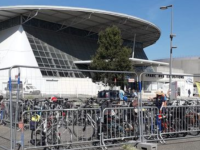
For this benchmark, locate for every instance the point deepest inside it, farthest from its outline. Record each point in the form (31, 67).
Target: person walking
(189, 92)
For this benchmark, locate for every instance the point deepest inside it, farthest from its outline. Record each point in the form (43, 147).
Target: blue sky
(186, 20)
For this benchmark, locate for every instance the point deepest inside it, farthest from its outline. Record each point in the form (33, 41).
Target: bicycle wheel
(65, 136)
(52, 137)
(135, 131)
(83, 128)
(180, 126)
(170, 128)
(190, 125)
(194, 133)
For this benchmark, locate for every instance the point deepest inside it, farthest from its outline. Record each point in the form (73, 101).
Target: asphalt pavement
(183, 144)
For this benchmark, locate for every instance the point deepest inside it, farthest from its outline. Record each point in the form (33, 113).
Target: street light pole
(171, 47)
(171, 39)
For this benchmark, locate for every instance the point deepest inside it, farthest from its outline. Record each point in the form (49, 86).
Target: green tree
(111, 55)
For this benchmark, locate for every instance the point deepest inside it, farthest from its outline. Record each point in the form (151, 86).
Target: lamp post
(171, 47)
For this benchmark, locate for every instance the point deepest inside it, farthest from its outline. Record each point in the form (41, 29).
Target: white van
(30, 89)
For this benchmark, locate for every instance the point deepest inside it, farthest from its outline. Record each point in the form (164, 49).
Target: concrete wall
(183, 84)
(188, 65)
(166, 69)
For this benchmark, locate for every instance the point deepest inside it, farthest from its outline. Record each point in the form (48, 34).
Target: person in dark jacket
(189, 92)
(160, 100)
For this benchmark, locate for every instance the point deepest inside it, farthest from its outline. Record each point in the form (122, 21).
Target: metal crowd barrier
(149, 124)
(5, 114)
(120, 124)
(93, 127)
(179, 121)
(65, 129)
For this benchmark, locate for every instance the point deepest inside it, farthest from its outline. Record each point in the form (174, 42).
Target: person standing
(189, 92)
(134, 94)
(160, 100)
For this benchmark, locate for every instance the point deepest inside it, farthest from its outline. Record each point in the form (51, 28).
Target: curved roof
(92, 20)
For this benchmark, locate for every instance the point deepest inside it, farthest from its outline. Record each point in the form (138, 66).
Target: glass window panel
(47, 54)
(55, 73)
(76, 75)
(56, 61)
(39, 60)
(37, 41)
(39, 47)
(64, 67)
(57, 51)
(68, 67)
(41, 65)
(70, 63)
(31, 41)
(71, 74)
(50, 73)
(44, 73)
(42, 43)
(81, 75)
(52, 66)
(73, 67)
(46, 65)
(147, 86)
(33, 46)
(63, 56)
(53, 55)
(66, 62)
(59, 56)
(42, 54)
(61, 62)
(36, 53)
(45, 48)
(51, 49)
(58, 66)
(29, 36)
(61, 74)
(44, 60)
(69, 57)
(50, 61)
(66, 74)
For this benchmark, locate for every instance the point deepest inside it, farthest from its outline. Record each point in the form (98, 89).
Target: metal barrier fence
(150, 126)
(5, 114)
(28, 82)
(179, 92)
(120, 124)
(5, 132)
(74, 128)
(56, 129)
(180, 121)
(94, 126)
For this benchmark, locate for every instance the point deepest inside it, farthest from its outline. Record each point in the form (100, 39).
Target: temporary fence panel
(44, 82)
(75, 109)
(29, 88)
(120, 124)
(150, 123)
(179, 121)
(61, 128)
(6, 128)
(177, 107)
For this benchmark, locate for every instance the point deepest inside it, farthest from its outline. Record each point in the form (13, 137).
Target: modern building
(65, 38)
(181, 82)
(189, 65)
